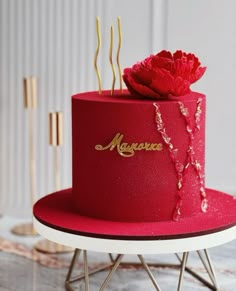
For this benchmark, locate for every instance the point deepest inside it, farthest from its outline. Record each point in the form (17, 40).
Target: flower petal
(139, 89)
(162, 82)
(164, 74)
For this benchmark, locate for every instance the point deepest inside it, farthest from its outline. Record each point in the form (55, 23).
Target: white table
(140, 247)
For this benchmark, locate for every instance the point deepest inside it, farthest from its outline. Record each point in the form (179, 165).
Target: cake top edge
(127, 97)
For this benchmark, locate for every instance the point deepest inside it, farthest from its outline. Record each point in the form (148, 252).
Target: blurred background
(55, 40)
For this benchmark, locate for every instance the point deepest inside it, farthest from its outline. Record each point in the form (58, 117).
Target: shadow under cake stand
(52, 220)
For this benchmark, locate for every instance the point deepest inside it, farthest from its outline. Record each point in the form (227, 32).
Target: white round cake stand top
(121, 246)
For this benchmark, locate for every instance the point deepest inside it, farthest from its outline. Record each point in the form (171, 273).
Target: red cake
(138, 159)
(113, 182)
(139, 156)
(142, 159)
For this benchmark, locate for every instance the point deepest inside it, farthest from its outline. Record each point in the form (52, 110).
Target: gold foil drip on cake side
(181, 168)
(96, 55)
(191, 159)
(111, 61)
(118, 52)
(173, 153)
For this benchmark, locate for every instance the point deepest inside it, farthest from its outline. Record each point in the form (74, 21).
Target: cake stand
(184, 245)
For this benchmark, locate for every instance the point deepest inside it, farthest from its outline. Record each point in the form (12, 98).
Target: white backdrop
(56, 40)
(208, 28)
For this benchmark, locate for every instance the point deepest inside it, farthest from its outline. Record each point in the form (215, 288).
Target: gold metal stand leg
(182, 269)
(71, 267)
(115, 266)
(86, 273)
(111, 257)
(209, 269)
(115, 262)
(147, 269)
(26, 229)
(76, 254)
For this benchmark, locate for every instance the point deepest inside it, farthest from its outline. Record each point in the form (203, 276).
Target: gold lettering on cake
(128, 150)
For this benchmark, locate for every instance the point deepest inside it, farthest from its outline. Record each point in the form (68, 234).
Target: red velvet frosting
(137, 160)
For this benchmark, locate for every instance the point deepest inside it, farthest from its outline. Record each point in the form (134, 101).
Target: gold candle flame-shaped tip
(111, 61)
(96, 55)
(118, 52)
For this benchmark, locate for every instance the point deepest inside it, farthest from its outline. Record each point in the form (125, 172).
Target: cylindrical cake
(138, 159)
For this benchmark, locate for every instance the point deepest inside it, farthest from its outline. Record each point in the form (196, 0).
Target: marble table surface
(24, 269)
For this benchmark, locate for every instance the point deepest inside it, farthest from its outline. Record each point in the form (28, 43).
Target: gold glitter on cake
(180, 168)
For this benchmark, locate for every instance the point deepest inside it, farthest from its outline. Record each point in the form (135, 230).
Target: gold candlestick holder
(30, 103)
(55, 140)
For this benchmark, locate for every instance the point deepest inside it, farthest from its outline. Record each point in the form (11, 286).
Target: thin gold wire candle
(96, 55)
(111, 61)
(118, 52)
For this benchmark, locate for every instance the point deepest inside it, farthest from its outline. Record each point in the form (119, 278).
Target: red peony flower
(163, 74)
